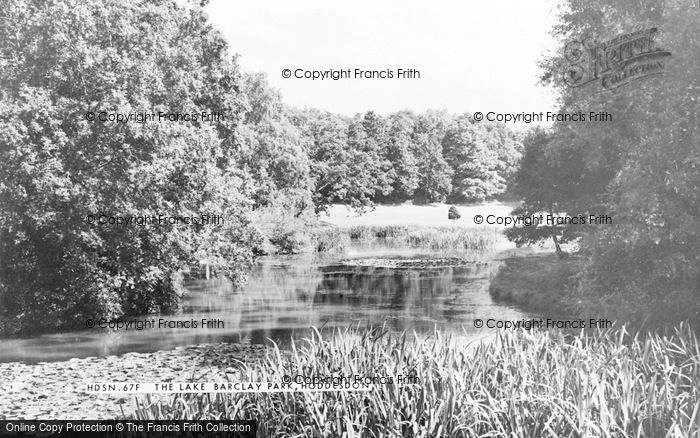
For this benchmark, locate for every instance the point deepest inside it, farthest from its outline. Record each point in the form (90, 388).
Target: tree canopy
(642, 168)
(63, 60)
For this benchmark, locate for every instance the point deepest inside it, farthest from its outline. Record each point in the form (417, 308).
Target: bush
(453, 214)
(288, 225)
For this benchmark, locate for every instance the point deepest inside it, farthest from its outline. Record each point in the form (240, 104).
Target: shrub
(288, 225)
(453, 214)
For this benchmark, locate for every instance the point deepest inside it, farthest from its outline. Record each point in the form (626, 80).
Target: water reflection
(285, 296)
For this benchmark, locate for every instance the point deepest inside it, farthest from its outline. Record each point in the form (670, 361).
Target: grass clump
(431, 237)
(330, 239)
(524, 384)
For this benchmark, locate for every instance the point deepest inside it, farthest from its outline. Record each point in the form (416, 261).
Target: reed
(432, 237)
(525, 384)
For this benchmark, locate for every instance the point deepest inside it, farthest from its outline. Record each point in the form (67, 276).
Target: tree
(368, 135)
(340, 172)
(653, 247)
(434, 173)
(543, 184)
(453, 214)
(273, 153)
(643, 167)
(475, 151)
(400, 152)
(63, 60)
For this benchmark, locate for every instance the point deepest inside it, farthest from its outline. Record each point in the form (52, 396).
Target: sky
(472, 56)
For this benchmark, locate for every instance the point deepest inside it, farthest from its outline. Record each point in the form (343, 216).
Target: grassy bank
(547, 284)
(422, 236)
(520, 384)
(541, 283)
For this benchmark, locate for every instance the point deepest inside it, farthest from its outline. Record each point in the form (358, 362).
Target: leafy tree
(370, 175)
(61, 60)
(339, 173)
(273, 152)
(274, 158)
(642, 168)
(434, 173)
(472, 154)
(509, 150)
(653, 245)
(453, 214)
(368, 136)
(400, 153)
(543, 184)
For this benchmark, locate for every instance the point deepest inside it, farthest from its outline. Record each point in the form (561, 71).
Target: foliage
(288, 226)
(482, 155)
(654, 245)
(273, 153)
(453, 214)
(547, 185)
(61, 60)
(542, 284)
(283, 223)
(434, 174)
(330, 239)
(367, 142)
(339, 173)
(642, 169)
(605, 383)
(400, 153)
(404, 157)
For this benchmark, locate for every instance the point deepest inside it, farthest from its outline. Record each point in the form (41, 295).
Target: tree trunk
(557, 247)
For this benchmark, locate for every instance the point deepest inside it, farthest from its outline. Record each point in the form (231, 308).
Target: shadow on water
(287, 295)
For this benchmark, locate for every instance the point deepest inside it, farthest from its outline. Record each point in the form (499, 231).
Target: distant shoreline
(423, 215)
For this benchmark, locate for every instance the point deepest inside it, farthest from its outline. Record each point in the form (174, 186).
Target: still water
(285, 296)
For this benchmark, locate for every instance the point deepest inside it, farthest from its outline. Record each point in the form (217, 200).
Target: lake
(286, 295)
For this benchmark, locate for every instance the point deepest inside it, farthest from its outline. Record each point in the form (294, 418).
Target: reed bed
(518, 384)
(432, 237)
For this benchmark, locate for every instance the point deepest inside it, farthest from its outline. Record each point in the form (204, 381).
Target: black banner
(128, 428)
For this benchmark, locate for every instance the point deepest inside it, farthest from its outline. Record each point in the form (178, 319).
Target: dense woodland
(369, 158)
(269, 169)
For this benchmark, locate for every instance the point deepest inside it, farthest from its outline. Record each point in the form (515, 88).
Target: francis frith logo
(614, 62)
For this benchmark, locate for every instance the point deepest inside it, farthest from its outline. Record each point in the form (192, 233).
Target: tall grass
(330, 240)
(432, 237)
(520, 384)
